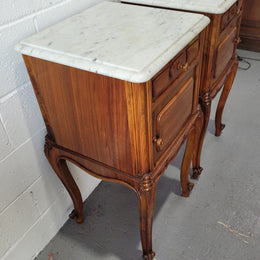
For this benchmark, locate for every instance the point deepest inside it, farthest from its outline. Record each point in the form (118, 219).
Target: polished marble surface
(118, 40)
(205, 6)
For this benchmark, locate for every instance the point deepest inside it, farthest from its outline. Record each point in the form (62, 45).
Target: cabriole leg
(206, 108)
(186, 162)
(223, 98)
(61, 169)
(146, 199)
(197, 169)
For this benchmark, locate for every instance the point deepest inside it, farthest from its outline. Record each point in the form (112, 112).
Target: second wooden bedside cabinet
(219, 59)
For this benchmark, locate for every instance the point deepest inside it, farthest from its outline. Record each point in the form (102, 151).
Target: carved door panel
(172, 117)
(225, 52)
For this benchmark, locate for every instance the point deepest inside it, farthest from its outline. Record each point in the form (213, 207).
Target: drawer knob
(237, 40)
(183, 67)
(239, 11)
(158, 142)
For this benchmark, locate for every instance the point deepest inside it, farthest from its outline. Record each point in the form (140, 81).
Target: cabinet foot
(197, 172)
(219, 129)
(186, 193)
(149, 256)
(74, 215)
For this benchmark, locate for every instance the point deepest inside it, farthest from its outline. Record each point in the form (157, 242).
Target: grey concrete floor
(221, 218)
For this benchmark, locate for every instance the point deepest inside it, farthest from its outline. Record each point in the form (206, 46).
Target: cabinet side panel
(84, 112)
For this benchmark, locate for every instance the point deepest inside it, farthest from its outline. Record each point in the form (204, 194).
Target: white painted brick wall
(13, 72)
(4, 143)
(25, 113)
(33, 202)
(53, 15)
(18, 171)
(16, 220)
(13, 10)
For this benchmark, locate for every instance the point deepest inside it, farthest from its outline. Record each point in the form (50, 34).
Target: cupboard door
(169, 121)
(225, 51)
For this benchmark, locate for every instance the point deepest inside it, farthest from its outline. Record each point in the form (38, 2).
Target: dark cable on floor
(247, 58)
(242, 59)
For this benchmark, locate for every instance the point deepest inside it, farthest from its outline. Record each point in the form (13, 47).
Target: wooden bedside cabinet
(220, 62)
(119, 99)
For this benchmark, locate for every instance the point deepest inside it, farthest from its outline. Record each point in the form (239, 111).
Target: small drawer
(193, 51)
(233, 12)
(239, 7)
(178, 66)
(166, 77)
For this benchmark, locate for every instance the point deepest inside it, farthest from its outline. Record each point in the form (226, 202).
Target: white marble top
(118, 40)
(204, 6)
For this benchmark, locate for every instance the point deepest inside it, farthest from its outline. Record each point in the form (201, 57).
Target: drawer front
(233, 12)
(225, 51)
(169, 121)
(193, 51)
(239, 7)
(172, 72)
(176, 68)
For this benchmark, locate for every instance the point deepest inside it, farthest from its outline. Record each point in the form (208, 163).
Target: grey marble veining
(123, 41)
(205, 6)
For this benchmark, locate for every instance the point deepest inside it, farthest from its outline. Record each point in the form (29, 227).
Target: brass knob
(239, 11)
(159, 142)
(183, 67)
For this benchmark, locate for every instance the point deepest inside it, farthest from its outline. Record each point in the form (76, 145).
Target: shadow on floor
(211, 127)
(111, 226)
(178, 159)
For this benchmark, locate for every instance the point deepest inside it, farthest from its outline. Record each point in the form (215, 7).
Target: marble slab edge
(204, 6)
(112, 71)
